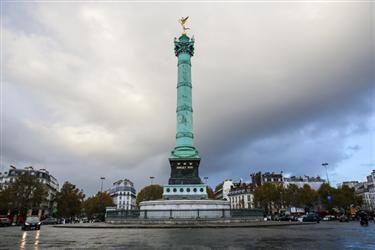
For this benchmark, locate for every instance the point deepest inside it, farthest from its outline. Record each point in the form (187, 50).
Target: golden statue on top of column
(182, 21)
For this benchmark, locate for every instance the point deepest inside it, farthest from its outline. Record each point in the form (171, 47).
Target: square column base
(185, 192)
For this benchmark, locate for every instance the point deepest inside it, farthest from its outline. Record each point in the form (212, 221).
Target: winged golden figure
(183, 20)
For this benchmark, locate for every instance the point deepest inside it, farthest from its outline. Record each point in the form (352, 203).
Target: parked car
(49, 221)
(300, 219)
(97, 220)
(31, 223)
(329, 218)
(311, 217)
(343, 218)
(287, 218)
(4, 222)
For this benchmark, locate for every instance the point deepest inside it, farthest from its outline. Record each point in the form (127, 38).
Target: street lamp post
(151, 179)
(101, 185)
(325, 164)
(101, 205)
(205, 179)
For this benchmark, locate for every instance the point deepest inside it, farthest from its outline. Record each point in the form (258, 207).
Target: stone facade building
(222, 190)
(260, 178)
(44, 177)
(350, 184)
(300, 181)
(369, 195)
(365, 189)
(123, 194)
(242, 196)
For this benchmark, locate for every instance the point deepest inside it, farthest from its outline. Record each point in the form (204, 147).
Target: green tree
(344, 198)
(324, 192)
(291, 196)
(268, 196)
(277, 196)
(69, 201)
(149, 193)
(27, 192)
(95, 206)
(308, 197)
(261, 199)
(5, 200)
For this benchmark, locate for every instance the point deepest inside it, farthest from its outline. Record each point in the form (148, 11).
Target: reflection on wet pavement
(33, 239)
(328, 235)
(36, 243)
(23, 240)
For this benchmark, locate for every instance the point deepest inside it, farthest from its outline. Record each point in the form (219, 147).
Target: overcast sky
(89, 89)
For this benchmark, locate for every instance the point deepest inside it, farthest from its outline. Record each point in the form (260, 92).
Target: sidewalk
(197, 225)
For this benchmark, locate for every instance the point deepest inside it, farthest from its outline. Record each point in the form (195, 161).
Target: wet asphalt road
(326, 235)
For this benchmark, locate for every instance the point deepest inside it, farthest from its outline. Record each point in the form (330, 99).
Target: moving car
(300, 219)
(31, 223)
(363, 218)
(343, 218)
(311, 217)
(329, 218)
(287, 218)
(4, 222)
(49, 221)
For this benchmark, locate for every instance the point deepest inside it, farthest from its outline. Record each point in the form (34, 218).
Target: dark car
(31, 223)
(343, 218)
(49, 221)
(287, 218)
(311, 217)
(4, 222)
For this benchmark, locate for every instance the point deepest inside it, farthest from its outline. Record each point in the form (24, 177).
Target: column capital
(184, 44)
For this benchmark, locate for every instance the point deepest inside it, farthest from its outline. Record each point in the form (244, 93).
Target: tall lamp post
(205, 179)
(101, 205)
(151, 179)
(101, 185)
(325, 164)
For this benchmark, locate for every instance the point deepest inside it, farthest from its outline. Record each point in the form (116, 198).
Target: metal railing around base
(184, 214)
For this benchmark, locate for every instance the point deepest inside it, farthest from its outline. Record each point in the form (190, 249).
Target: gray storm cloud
(89, 88)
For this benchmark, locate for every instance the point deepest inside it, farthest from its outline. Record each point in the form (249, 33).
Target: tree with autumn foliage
(149, 193)
(69, 201)
(94, 207)
(210, 193)
(26, 192)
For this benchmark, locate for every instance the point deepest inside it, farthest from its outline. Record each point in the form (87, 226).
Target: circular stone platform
(184, 204)
(184, 209)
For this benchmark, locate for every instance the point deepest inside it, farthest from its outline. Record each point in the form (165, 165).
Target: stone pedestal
(184, 209)
(184, 171)
(185, 192)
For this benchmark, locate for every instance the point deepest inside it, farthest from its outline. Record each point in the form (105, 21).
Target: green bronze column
(184, 181)
(184, 50)
(184, 158)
